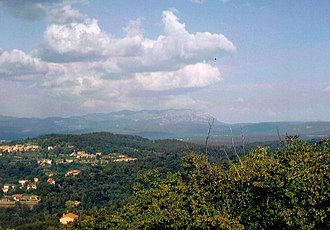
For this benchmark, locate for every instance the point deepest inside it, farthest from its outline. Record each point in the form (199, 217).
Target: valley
(183, 124)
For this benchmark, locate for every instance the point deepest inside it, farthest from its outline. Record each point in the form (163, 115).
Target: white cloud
(133, 53)
(89, 59)
(18, 64)
(134, 27)
(66, 14)
(74, 79)
(179, 46)
(190, 76)
(83, 68)
(73, 41)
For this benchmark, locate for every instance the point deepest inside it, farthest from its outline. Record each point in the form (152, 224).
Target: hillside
(283, 189)
(99, 175)
(80, 173)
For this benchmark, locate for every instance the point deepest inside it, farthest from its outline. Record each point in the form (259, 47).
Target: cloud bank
(79, 63)
(17, 64)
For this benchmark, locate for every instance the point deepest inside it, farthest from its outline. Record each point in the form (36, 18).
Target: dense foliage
(284, 189)
(284, 186)
(101, 183)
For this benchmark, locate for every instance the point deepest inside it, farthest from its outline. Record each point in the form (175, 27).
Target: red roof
(71, 215)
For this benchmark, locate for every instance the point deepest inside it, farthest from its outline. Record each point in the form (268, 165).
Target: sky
(239, 60)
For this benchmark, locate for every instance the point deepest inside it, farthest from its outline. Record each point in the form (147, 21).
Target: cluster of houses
(52, 181)
(119, 157)
(22, 184)
(83, 154)
(20, 197)
(28, 200)
(19, 148)
(11, 194)
(29, 185)
(47, 162)
(124, 159)
(114, 157)
(33, 185)
(77, 155)
(73, 155)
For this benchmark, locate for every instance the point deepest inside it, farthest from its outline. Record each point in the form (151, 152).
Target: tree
(285, 189)
(288, 188)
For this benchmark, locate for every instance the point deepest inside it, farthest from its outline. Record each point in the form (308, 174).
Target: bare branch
(230, 161)
(208, 135)
(233, 145)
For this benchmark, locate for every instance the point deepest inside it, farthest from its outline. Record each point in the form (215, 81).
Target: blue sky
(239, 60)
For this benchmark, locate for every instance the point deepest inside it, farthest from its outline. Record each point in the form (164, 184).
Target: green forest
(170, 184)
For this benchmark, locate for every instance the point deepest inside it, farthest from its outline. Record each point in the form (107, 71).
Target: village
(75, 156)
(10, 198)
(19, 148)
(25, 191)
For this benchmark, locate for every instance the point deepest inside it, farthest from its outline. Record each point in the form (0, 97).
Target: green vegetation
(102, 182)
(285, 189)
(284, 186)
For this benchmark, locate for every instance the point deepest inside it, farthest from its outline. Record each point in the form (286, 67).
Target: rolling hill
(156, 125)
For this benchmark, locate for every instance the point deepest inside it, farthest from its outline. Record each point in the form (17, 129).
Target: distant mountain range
(155, 125)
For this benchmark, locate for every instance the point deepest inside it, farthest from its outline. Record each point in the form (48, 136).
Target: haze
(239, 60)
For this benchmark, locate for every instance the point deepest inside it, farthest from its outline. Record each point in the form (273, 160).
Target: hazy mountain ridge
(153, 124)
(164, 122)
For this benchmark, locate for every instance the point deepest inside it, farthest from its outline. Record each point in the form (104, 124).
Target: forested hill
(78, 173)
(288, 188)
(110, 142)
(114, 181)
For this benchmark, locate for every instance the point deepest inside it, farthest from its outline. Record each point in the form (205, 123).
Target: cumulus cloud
(18, 64)
(66, 14)
(87, 61)
(75, 79)
(190, 76)
(134, 27)
(79, 64)
(179, 46)
(134, 53)
(73, 41)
